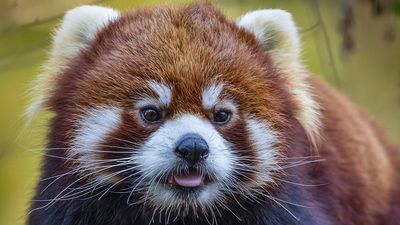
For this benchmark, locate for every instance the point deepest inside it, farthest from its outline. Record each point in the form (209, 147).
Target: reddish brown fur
(177, 47)
(363, 164)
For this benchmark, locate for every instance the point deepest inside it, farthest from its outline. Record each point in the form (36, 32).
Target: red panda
(180, 116)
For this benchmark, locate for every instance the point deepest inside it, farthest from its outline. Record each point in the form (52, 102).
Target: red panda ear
(276, 30)
(79, 27)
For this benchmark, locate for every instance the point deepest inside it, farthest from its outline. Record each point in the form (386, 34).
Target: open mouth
(191, 179)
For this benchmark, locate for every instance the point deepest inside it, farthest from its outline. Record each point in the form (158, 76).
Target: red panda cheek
(108, 136)
(237, 135)
(254, 143)
(265, 141)
(94, 126)
(128, 138)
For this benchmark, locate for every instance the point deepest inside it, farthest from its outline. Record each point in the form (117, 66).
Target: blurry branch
(398, 76)
(379, 8)
(347, 23)
(5, 8)
(321, 24)
(310, 28)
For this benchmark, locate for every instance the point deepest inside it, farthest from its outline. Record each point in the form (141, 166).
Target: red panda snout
(192, 148)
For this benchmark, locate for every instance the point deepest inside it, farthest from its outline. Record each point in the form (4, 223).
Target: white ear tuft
(276, 30)
(79, 27)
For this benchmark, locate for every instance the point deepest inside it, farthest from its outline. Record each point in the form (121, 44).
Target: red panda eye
(222, 117)
(150, 115)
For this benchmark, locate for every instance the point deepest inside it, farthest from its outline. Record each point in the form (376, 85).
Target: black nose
(192, 148)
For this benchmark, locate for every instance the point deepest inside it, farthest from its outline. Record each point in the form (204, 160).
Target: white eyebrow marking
(210, 95)
(163, 91)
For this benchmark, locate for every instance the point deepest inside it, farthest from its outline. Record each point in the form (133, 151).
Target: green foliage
(396, 7)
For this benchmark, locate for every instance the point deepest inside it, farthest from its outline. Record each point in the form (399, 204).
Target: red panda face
(174, 108)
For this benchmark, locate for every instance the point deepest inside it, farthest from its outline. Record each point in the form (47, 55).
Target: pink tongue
(192, 179)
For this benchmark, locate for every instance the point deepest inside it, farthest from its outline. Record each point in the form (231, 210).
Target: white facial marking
(163, 91)
(95, 125)
(211, 95)
(263, 139)
(157, 155)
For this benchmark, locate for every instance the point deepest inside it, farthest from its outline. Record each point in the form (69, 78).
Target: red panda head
(178, 108)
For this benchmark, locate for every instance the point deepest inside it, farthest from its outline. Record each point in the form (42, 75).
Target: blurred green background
(369, 74)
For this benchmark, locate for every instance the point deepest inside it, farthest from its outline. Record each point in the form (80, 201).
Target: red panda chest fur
(179, 116)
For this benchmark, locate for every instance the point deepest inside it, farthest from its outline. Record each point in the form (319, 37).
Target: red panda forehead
(196, 39)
